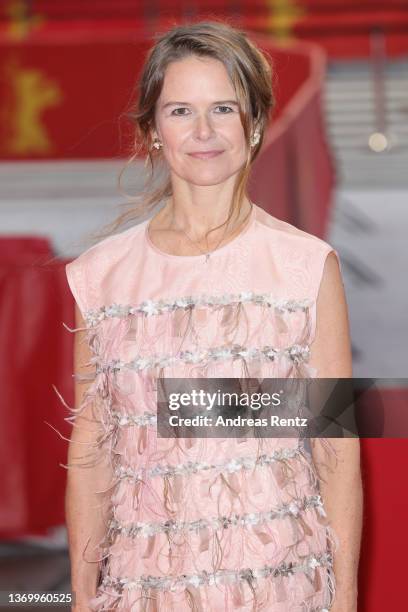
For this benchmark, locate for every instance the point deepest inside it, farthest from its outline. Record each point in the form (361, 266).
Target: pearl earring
(157, 144)
(255, 139)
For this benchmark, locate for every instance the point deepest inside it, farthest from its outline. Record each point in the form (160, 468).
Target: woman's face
(198, 112)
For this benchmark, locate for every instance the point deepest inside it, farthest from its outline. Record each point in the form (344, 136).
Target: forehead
(203, 77)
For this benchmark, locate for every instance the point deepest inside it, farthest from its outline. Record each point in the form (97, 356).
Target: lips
(205, 154)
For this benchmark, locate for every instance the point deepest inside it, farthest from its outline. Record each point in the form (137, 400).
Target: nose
(203, 127)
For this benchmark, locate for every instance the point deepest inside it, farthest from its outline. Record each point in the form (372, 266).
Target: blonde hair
(251, 75)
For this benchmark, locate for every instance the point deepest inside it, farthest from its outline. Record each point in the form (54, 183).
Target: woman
(207, 524)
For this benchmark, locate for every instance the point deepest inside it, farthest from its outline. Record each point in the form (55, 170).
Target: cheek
(173, 137)
(234, 133)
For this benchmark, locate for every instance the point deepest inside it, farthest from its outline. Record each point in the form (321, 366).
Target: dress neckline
(248, 225)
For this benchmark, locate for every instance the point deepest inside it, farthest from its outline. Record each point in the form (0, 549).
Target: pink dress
(206, 524)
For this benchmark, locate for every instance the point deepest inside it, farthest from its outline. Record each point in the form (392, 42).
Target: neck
(198, 219)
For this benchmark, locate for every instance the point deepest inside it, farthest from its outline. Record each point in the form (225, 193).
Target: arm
(342, 492)
(83, 516)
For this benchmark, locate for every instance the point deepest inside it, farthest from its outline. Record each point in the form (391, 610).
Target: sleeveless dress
(206, 524)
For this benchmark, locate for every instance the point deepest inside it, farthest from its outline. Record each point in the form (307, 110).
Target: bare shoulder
(331, 348)
(331, 286)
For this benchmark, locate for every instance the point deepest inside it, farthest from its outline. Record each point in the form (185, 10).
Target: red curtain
(36, 352)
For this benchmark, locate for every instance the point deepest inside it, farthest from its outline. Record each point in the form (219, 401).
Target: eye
(178, 109)
(229, 109)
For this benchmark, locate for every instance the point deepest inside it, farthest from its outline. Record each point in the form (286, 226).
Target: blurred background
(334, 163)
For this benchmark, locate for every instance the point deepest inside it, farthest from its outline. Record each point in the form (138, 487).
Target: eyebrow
(235, 102)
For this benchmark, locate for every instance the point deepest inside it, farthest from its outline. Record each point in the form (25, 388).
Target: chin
(207, 182)
(207, 177)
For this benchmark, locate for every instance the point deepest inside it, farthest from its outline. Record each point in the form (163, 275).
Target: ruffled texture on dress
(204, 523)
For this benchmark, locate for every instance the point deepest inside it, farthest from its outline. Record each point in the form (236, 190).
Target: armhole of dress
(318, 277)
(77, 286)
